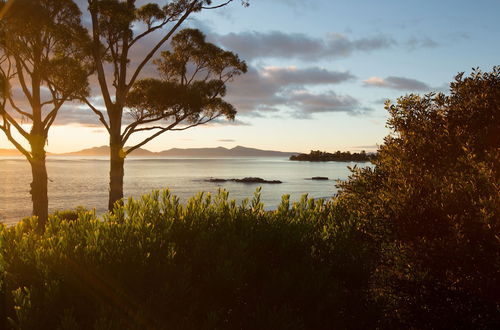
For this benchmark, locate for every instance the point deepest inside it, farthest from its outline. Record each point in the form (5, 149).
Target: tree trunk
(39, 188)
(116, 172)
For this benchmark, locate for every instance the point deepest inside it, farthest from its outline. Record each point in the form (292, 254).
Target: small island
(319, 178)
(339, 156)
(244, 180)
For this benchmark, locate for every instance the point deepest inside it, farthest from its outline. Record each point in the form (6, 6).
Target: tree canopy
(44, 55)
(191, 91)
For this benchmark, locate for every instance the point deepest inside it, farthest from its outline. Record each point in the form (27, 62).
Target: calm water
(84, 181)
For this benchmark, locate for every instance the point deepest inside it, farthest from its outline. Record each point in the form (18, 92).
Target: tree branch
(22, 81)
(131, 127)
(101, 76)
(219, 6)
(8, 119)
(169, 128)
(149, 128)
(150, 30)
(196, 124)
(98, 113)
(158, 45)
(16, 108)
(47, 122)
(163, 130)
(6, 129)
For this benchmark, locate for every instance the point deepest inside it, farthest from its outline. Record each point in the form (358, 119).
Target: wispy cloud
(297, 3)
(306, 103)
(306, 76)
(397, 83)
(277, 44)
(72, 114)
(421, 42)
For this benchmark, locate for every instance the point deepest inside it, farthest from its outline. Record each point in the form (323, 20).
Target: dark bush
(433, 201)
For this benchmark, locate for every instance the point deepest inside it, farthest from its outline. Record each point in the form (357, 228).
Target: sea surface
(77, 180)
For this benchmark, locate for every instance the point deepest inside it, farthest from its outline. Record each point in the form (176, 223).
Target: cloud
(425, 42)
(226, 140)
(306, 103)
(297, 3)
(277, 44)
(251, 91)
(69, 114)
(73, 114)
(307, 76)
(251, 45)
(458, 36)
(269, 90)
(262, 91)
(375, 81)
(221, 121)
(398, 83)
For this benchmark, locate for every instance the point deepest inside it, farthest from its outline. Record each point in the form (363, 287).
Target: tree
(42, 46)
(194, 81)
(433, 200)
(116, 31)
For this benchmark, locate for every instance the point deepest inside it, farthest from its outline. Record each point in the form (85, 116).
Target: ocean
(83, 181)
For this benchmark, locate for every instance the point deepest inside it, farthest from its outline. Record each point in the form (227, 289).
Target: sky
(319, 71)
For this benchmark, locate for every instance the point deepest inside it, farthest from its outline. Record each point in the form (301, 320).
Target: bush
(433, 201)
(155, 263)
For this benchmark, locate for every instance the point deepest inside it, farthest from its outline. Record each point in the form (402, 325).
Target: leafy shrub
(155, 263)
(71, 214)
(433, 201)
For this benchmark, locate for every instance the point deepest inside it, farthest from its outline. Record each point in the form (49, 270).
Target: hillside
(237, 151)
(104, 151)
(10, 152)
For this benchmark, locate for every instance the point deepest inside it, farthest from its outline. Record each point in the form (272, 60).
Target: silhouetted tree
(42, 45)
(190, 94)
(113, 40)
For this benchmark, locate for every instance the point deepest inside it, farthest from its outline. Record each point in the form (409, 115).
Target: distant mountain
(10, 152)
(237, 151)
(243, 151)
(104, 151)
(95, 151)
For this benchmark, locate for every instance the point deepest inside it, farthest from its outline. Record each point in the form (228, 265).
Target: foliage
(433, 201)
(43, 45)
(155, 263)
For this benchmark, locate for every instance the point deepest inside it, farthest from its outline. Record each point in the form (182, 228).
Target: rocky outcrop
(244, 180)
